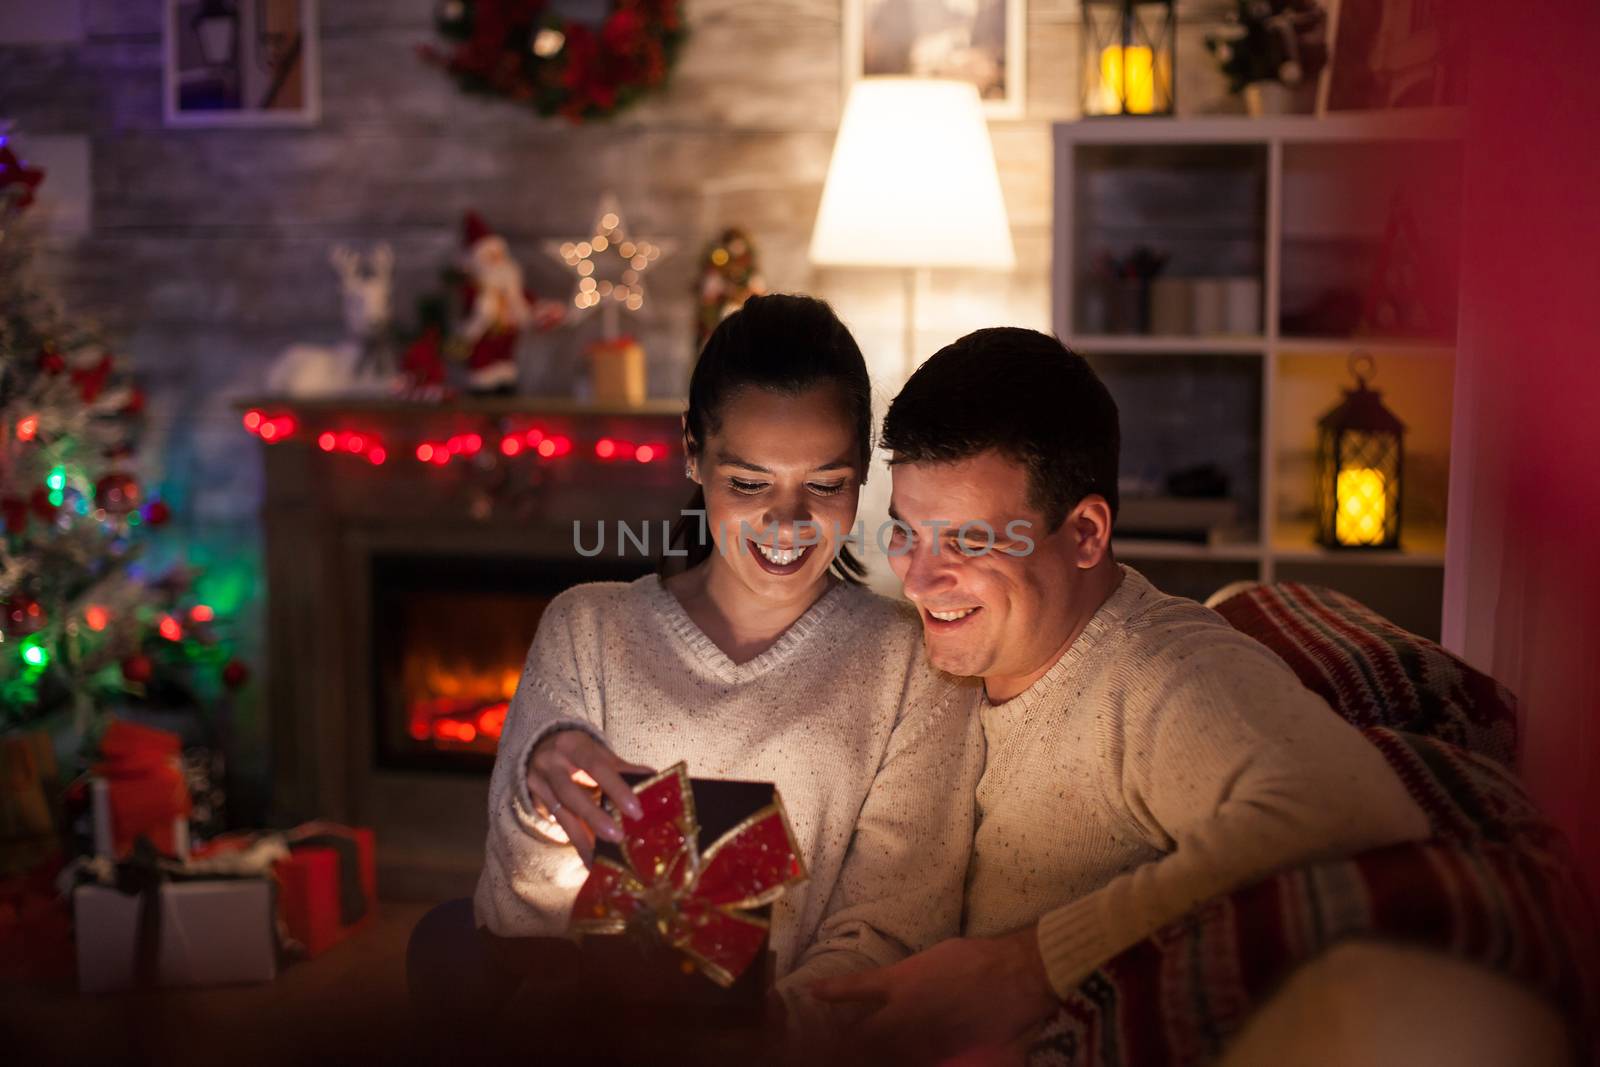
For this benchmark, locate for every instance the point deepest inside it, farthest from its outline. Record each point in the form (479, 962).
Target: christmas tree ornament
(156, 513)
(138, 668)
(116, 493)
(235, 673)
(90, 375)
(23, 615)
(498, 307)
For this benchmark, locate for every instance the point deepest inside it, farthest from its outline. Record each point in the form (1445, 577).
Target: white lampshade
(913, 182)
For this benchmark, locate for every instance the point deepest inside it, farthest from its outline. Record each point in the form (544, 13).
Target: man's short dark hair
(1024, 394)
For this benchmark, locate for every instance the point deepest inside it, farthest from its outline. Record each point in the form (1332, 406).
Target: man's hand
(566, 775)
(982, 997)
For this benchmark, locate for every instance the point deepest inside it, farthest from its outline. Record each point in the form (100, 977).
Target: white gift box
(212, 932)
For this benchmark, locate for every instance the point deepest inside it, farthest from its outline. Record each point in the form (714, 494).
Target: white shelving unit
(1293, 370)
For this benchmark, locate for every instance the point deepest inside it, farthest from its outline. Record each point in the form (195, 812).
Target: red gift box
(35, 926)
(310, 888)
(148, 795)
(310, 882)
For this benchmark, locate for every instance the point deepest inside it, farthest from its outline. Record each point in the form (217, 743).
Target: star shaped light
(610, 264)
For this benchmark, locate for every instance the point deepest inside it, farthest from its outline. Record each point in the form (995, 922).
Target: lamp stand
(914, 278)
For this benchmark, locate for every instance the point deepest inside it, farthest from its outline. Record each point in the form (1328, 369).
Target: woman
(764, 660)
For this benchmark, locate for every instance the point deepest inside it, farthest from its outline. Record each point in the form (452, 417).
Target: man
(1142, 756)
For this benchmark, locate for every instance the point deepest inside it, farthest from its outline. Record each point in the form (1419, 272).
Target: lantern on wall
(1129, 51)
(1360, 463)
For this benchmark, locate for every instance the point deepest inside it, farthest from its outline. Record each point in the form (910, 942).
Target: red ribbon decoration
(698, 904)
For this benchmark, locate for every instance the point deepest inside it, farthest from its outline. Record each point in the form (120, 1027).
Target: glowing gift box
(678, 912)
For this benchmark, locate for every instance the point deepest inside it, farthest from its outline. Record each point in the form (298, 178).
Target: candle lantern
(1360, 462)
(1129, 49)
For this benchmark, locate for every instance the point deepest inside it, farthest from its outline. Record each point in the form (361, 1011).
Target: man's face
(1002, 613)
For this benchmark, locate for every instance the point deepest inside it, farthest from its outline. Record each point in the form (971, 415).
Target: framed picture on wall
(241, 63)
(981, 41)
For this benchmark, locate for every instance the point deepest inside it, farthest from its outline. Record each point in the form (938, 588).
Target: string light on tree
(74, 603)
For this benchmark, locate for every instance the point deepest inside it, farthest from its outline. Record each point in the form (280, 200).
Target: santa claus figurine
(497, 309)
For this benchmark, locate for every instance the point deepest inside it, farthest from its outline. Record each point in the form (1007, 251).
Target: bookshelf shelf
(1294, 219)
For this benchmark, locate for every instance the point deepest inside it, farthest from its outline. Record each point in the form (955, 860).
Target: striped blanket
(1494, 884)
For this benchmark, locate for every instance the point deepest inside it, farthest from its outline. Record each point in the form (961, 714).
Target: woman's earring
(688, 469)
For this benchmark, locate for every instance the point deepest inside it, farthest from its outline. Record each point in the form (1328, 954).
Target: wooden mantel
(489, 406)
(327, 516)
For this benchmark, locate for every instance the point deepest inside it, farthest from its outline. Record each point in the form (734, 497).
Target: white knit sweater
(1166, 758)
(842, 704)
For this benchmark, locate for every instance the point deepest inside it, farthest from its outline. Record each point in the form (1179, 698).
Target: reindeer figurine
(363, 363)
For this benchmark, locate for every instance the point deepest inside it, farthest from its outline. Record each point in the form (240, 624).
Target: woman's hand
(568, 773)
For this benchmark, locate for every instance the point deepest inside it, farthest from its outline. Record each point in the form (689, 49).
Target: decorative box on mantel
(410, 549)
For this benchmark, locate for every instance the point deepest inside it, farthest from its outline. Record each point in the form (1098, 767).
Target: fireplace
(402, 595)
(449, 637)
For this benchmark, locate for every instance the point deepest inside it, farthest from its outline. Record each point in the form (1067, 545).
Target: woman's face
(782, 477)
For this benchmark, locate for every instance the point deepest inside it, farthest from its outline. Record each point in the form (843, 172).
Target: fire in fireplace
(449, 637)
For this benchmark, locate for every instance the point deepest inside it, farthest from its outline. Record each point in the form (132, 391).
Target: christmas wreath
(525, 51)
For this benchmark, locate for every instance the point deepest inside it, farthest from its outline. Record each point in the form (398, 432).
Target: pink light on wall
(1522, 574)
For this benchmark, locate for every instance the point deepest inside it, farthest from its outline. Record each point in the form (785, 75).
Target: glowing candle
(1128, 80)
(1363, 504)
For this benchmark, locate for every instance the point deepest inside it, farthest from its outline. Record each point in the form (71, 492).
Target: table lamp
(912, 186)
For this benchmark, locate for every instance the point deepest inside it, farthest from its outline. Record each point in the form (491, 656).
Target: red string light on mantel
(270, 429)
(511, 443)
(610, 449)
(368, 446)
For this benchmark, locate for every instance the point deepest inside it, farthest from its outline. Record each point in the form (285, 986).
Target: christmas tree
(83, 627)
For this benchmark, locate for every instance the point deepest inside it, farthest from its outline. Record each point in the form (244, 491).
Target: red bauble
(117, 493)
(138, 668)
(23, 615)
(50, 361)
(235, 674)
(92, 380)
(14, 510)
(15, 174)
(40, 501)
(157, 513)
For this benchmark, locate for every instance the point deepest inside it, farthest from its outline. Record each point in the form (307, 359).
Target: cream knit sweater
(1164, 759)
(876, 756)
